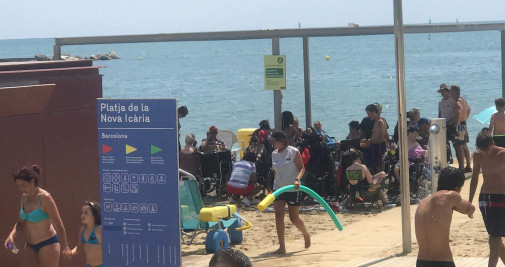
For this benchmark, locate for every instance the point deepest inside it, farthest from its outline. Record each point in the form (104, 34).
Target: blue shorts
(49, 241)
(492, 207)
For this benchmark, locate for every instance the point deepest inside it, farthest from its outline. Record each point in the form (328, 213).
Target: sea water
(222, 84)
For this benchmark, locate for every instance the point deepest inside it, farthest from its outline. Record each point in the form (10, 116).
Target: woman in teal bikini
(90, 235)
(40, 222)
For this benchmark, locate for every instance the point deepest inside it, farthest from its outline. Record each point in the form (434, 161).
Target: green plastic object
(316, 197)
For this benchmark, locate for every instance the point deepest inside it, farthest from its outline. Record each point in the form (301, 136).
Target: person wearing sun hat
(211, 143)
(446, 107)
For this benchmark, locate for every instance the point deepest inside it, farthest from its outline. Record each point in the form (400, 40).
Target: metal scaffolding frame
(305, 34)
(398, 29)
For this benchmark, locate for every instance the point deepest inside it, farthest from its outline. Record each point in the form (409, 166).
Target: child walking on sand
(90, 235)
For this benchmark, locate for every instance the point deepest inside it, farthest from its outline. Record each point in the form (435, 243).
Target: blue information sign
(139, 189)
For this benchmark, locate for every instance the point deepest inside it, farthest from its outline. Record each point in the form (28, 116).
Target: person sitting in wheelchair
(367, 179)
(258, 141)
(417, 155)
(211, 144)
(330, 141)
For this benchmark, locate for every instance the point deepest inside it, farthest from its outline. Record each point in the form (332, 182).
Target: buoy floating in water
(327, 58)
(140, 58)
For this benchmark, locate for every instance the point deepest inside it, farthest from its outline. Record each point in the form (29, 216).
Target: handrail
(279, 33)
(191, 176)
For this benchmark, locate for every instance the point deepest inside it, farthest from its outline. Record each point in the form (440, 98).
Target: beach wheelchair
(215, 170)
(320, 172)
(391, 183)
(264, 171)
(360, 192)
(419, 178)
(197, 219)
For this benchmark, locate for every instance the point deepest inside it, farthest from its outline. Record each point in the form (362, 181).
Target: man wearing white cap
(446, 108)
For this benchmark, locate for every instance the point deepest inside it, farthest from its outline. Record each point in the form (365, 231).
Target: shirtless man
(491, 159)
(461, 114)
(375, 147)
(497, 126)
(434, 216)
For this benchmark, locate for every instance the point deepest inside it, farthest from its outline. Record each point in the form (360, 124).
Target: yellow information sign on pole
(275, 72)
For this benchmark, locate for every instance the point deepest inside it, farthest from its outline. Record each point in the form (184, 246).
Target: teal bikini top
(34, 216)
(91, 239)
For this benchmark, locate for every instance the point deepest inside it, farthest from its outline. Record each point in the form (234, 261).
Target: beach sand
(263, 234)
(360, 238)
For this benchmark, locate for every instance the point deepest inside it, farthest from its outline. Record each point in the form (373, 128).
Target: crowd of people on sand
(366, 145)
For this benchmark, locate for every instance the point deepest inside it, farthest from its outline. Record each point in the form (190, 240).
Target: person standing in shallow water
(39, 220)
(433, 219)
(288, 166)
(491, 159)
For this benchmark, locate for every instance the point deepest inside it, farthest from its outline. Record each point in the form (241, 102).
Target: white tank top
(285, 167)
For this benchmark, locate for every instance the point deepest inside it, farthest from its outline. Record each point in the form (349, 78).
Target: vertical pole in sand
(402, 122)
(503, 63)
(56, 52)
(306, 82)
(438, 149)
(277, 93)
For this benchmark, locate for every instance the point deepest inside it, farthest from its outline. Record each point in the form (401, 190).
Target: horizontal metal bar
(280, 33)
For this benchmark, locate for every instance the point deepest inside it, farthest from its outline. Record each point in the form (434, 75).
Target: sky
(62, 18)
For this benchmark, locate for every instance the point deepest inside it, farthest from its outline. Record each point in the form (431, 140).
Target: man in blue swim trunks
(434, 216)
(491, 159)
(374, 147)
